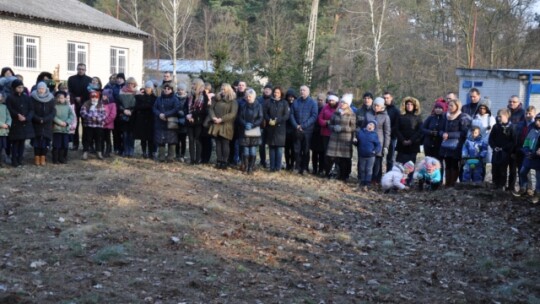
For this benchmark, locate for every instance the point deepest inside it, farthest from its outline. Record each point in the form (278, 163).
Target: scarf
(42, 98)
(451, 116)
(128, 90)
(196, 104)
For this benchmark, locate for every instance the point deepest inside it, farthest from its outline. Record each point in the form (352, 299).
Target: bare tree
(312, 35)
(177, 17)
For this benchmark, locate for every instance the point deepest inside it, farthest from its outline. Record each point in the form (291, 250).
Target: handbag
(254, 132)
(450, 144)
(172, 123)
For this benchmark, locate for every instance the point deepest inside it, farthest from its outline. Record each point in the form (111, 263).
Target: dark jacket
(431, 129)
(456, 129)
(502, 136)
(409, 127)
(198, 111)
(470, 109)
(20, 104)
(278, 110)
(77, 87)
(252, 114)
(144, 116)
(394, 114)
(304, 113)
(182, 121)
(44, 113)
(168, 105)
(531, 145)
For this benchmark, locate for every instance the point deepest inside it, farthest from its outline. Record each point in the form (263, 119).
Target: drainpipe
(528, 92)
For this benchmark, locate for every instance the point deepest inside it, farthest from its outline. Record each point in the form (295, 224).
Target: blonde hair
(197, 84)
(228, 91)
(132, 80)
(457, 102)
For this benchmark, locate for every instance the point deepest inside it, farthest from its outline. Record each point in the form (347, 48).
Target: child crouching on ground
(368, 146)
(473, 153)
(394, 180)
(5, 123)
(428, 174)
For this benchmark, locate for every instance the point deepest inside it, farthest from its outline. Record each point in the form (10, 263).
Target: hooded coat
(44, 113)
(409, 127)
(144, 116)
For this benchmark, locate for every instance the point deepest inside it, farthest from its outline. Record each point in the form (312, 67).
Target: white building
(54, 36)
(498, 85)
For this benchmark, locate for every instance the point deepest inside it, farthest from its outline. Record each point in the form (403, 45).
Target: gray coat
(383, 129)
(340, 144)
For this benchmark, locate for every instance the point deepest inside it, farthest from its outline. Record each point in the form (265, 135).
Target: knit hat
(347, 98)
(439, 103)
(332, 97)
(60, 93)
(379, 101)
(167, 84)
(94, 94)
(182, 86)
(399, 166)
(268, 86)
(15, 83)
(367, 94)
(121, 75)
(373, 121)
(409, 166)
(149, 84)
(485, 102)
(41, 85)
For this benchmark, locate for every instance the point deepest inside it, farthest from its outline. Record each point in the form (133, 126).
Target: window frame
(23, 61)
(78, 48)
(114, 60)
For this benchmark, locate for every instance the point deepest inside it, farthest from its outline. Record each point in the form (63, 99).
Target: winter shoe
(42, 160)
(535, 199)
(85, 156)
(54, 156)
(170, 153)
(37, 160)
(99, 155)
(521, 192)
(161, 154)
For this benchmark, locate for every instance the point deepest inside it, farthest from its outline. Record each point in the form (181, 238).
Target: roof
(497, 73)
(185, 66)
(68, 12)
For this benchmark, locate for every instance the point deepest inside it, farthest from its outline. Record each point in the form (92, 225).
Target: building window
(26, 51)
(118, 60)
(77, 53)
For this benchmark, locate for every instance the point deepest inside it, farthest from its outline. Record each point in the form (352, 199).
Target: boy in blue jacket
(368, 146)
(473, 153)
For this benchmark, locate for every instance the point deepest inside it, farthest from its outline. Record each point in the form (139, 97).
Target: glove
(337, 128)
(385, 151)
(272, 122)
(248, 126)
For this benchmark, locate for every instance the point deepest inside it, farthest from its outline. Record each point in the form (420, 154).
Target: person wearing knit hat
(149, 84)
(383, 130)
(121, 76)
(63, 119)
(21, 129)
(432, 128)
(93, 115)
(343, 125)
(42, 121)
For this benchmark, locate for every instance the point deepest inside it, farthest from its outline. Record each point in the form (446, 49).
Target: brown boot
(43, 160)
(37, 160)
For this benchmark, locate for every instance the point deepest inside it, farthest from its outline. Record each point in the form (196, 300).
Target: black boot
(245, 162)
(63, 156)
(420, 185)
(251, 164)
(55, 156)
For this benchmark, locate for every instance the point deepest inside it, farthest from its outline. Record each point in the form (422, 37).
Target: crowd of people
(171, 118)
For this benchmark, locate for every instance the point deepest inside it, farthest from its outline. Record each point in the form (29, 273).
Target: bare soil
(134, 231)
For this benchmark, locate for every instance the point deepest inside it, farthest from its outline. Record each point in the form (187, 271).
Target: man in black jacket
(393, 113)
(78, 94)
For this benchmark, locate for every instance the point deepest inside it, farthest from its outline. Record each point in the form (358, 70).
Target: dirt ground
(134, 231)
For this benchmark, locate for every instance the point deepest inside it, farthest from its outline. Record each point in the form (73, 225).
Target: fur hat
(347, 98)
(379, 101)
(409, 166)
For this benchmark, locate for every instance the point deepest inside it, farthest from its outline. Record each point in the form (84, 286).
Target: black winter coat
(182, 125)
(279, 110)
(144, 116)
(44, 113)
(409, 127)
(250, 113)
(20, 104)
(456, 128)
(431, 129)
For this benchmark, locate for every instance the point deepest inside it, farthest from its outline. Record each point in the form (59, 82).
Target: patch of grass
(486, 264)
(91, 298)
(111, 254)
(241, 268)
(77, 249)
(533, 263)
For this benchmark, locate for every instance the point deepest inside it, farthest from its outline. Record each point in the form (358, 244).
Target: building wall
(53, 49)
(498, 90)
